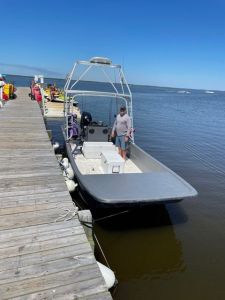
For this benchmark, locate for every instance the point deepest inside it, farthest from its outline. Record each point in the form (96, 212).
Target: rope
(110, 216)
(77, 204)
(101, 251)
(63, 217)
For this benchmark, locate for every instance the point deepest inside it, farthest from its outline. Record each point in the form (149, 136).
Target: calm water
(175, 251)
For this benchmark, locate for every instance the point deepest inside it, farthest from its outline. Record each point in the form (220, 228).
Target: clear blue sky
(161, 42)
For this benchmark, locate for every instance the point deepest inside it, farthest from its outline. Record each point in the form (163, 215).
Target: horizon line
(137, 84)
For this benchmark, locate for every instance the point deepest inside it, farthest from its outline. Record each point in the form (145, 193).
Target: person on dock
(122, 130)
(2, 83)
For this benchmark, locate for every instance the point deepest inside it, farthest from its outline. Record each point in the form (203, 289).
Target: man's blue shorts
(120, 142)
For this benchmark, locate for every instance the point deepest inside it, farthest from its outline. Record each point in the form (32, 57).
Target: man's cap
(123, 108)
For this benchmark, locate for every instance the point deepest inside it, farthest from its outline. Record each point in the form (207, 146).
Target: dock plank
(49, 267)
(44, 256)
(31, 218)
(15, 233)
(36, 197)
(69, 293)
(58, 279)
(46, 236)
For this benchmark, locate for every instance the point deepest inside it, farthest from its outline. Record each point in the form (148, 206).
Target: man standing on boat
(122, 129)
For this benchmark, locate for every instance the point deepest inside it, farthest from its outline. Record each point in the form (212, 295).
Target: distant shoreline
(130, 84)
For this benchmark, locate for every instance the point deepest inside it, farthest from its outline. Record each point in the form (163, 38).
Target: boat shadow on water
(140, 245)
(137, 216)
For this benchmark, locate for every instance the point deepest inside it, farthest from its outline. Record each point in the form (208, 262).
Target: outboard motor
(85, 119)
(73, 127)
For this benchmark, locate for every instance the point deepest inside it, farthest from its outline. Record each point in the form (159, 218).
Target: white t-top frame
(71, 91)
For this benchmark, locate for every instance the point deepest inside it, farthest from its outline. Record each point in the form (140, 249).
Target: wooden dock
(42, 256)
(56, 110)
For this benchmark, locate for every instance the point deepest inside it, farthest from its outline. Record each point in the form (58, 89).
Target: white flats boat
(104, 178)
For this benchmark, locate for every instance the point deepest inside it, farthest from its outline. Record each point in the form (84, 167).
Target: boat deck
(93, 166)
(42, 254)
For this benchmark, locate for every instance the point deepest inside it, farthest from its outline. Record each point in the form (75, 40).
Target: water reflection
(141, 246)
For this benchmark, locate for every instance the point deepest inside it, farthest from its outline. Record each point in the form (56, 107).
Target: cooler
(94, 149)
(112, 162)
